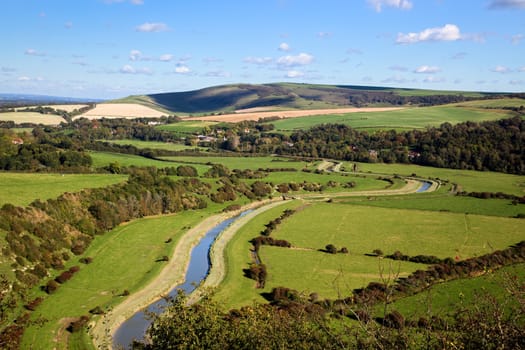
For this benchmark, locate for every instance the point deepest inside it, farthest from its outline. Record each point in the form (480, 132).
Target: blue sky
(116, 48)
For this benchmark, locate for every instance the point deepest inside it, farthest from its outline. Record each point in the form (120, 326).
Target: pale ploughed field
(121, 110)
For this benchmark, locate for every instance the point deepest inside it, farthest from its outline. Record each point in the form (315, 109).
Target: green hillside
(227, 98)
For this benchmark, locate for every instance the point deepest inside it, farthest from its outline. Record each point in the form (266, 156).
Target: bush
(330, 248)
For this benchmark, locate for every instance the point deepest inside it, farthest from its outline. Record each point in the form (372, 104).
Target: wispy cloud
(152, 27)
(398, 68)
(324, 35)
(449, 32)
(182, 69)
(294, 74)
(261, 61)
(401, 4)
(68, 25)
(507, 4)
(501, 69)
(33, 52)
(135, 55)
(284, 47)
(166, 57)
(128, 69)
(459, 56)
(516, 39)
(134, 2)
(427, 69)
(433, 79)
(217, 74)
(298, 60)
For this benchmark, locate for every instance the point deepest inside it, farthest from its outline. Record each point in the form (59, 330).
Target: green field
(122, 259)
(170, 146)
(23, 188)
(441, 298)
(469, 180)
(187, 127)
(443, 203)
(404, 119)
(311, 229)
(247, 162)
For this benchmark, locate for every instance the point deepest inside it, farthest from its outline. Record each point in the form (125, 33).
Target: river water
(424, 186)
(198, 269)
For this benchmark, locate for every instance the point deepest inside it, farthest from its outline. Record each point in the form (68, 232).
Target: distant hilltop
(26, 99)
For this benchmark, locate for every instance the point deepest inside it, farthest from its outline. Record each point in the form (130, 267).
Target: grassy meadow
(404, 119)
(469, 180)
(21, 189)
(169, 146)
(123, 259)
(309, 230)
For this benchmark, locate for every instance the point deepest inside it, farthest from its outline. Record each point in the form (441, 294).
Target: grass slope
(405, 119)
(319, 224)
(227, 98)
(122, 259)
(21, 189)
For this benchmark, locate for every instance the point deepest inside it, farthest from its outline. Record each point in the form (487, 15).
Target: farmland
(130, 232)
(23, 188)
(316, 225)
(31, 117)
(404, 119)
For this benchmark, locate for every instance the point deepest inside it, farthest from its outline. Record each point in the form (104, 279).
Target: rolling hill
(229, 98)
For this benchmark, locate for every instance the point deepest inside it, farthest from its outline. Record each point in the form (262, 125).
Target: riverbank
(172, 274)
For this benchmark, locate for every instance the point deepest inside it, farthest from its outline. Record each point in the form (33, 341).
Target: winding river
(198, 269)
(199, 266)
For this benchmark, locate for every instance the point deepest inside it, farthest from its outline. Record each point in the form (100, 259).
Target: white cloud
(324, 35)
(459, 56)
(433, 79)
(68, 25)
(401, 4)
(33, 52)
(299, 60)
(134, 2)
(353, 51)
(398, 68)
(182, 69)
(150, 27)
(284, 47)
(501, 69)
(258, 60)
(427, 69)
(522, 69)
(166, 57)
(128, 69)
(449, 32)
(218, 74)
(516, 39)
(507, 4)
(135, 55)
(24, 78)
(294, 74)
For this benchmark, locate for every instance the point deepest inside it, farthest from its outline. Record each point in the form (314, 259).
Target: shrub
(330, 248)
